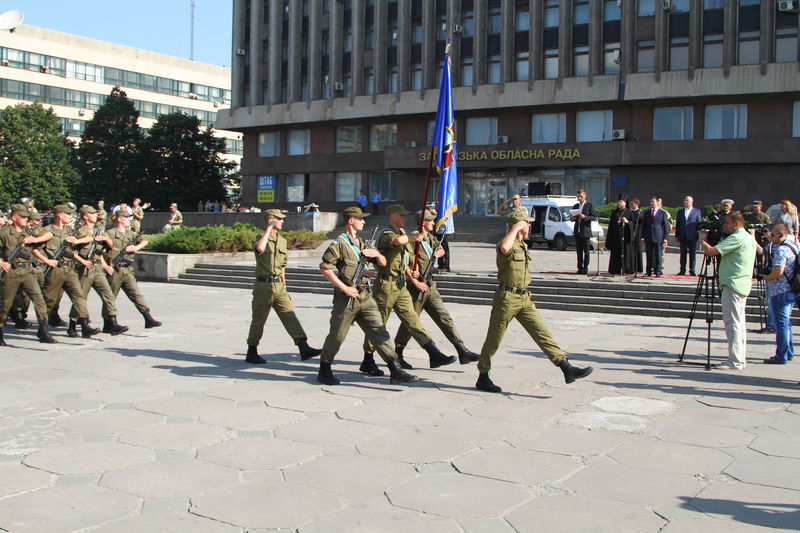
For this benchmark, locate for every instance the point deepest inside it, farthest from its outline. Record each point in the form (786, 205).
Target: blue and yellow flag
(444, 139)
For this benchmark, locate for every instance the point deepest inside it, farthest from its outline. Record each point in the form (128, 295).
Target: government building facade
(637, 97)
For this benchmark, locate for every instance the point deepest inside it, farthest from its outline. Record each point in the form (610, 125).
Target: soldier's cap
(35, 216)
(354, 212)
(101, 202)
(397, 209)
(20, 210)
(428, 215)
(174, 205)
(515, 197)
(25, 200)
(727, 201)
(756, 202)
(274, 213)
(518, 214)
(124, 212)
(87, 209)
(62, 208)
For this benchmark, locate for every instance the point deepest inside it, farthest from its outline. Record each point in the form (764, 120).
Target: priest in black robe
(619, 236)
(632, 259)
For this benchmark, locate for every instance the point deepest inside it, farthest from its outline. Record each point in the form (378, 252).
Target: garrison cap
(727, 201)
(398, 209)
(756, 202)
(62, 208)
(20, 210)
(274, 213)
(354, 212)
(173, 204)
(35, 216)
(515, 197)
(87, 209)
(518, 214)
(428, 215)
(124, 212)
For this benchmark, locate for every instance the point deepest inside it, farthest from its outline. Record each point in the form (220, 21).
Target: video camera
(714, 227)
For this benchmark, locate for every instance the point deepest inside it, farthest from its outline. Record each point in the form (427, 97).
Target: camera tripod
(708, 289)
(760, 293)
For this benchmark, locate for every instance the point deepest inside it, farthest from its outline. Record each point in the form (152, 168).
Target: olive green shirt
(50, 247)
(424, 255)
(83, 248)
(9, 238)
(135, 222)
(396, 256)
(341, 256)
(271, 262)
(514, 268)
(757, 218)
(120, 239)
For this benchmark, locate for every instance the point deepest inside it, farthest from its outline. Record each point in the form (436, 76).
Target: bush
(239, 238)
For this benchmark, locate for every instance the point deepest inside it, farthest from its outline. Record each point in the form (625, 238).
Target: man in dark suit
(655, 232)
(583, 230)
(686, 233)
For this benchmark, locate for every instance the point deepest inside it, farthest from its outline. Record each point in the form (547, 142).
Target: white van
(553, 225)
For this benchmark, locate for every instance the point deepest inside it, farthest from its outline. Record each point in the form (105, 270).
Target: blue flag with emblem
(444, 139)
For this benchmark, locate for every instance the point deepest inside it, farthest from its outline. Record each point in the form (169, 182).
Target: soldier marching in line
(19, 309)
(354, 303)
(391, 294)
(513, 300)
(269, 291)
(426, 296)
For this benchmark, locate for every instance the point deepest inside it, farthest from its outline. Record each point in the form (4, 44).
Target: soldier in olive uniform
(756, 215)
(119, 241)
(102, 214)
(17, 272)
(138, 214)
(513, 300)
(426, 296)
(269, 291)
(19, 310)
(391, 294)
(89, 245)
(61, 276)
(354, 303)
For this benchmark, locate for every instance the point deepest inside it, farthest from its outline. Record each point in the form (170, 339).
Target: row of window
(113, 76)
(348, 139)
(347, 185)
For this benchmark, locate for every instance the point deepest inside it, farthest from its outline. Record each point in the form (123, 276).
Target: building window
(748, 48)
(611, 58)
(593, 126)
(796, 119)
(679, 53)
(298, 142)
(468, 24)
(679, 6)
(382, 183)
(369, 81)
(348, 139)
(785, 45)
(296, 187)
(522, 22)
(581, 61)
(391, 79)
(551, 64)
(382, 136)
(416, 77)
(551, 14)
(269, 144)
(549, 128)
(645, 56)
(713, 4)
(493, 70)
(481, 131)
(611, 10)
(416, 34)
(521, 65)
(348, 41)
(346, 186)
(646, 8)
(726, 121)
(580, 12)
(494, 20)
(712, 50)
(672, 124)
(369, 37)
(466, 71)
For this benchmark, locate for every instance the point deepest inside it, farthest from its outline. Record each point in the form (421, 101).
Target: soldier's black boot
(325, 375)
(149, 321)
(465, 356)
(72, 329)
(369, 367)
(405, 365)
(86, 330)
(306, 351)
(2, 342)
(571, 373)
(44, 333)
(54, 320)
(436, 357)
(485, 384)
(110, 326)
(19, 320)
(397, 375)
(252, 356)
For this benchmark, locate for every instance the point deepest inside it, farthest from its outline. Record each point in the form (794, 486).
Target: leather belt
(21, 265)
(264, 279)
(514, 290)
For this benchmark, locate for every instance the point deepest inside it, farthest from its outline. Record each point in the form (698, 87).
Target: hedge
(239, 238)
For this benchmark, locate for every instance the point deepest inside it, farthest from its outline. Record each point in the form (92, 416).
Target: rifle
(428, 275)
(62, 251)
(17, 252)
(362, 262)
(92, 248)
(120, 259)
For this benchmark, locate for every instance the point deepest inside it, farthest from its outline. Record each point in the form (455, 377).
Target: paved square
(168, 430)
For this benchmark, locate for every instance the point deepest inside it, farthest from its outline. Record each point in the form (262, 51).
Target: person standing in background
(376, 199)
(686, 234)
(583, 219)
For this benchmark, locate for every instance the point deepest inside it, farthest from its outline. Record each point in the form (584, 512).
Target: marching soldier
(102, 214)
(62, 276)
(89, 245)
(425, 295)
(354, 303)
(391, 294)
(120, 241)
(138, 214)
(19, 310)
(269, 291)
(17, 271)
(513, 300)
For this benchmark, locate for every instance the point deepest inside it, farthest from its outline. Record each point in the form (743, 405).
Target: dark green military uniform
(64, 276)
(136, 224)
(95, 276)
(20, 276)
(757, 218)
(21, 301)
(102, 214)
(123, 276)
(269, 292)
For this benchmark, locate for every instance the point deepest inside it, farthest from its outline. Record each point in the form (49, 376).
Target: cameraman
(780, 297)
(737, 253)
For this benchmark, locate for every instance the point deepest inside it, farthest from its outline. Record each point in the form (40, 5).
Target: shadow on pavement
(774, 515)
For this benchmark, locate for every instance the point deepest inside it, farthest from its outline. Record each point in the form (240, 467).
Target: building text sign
(266, 188)
(506, 155)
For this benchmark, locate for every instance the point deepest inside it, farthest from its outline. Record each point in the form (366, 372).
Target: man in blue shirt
(779, 294)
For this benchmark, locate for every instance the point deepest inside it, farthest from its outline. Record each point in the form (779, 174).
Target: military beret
(397, 209)
(87, 209)
(428, 215)
(354, 212)
(518, 214)
(274, 213)
(62, 208)
(20, 210)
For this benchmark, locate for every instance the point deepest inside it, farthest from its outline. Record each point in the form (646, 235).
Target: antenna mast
(191, 34)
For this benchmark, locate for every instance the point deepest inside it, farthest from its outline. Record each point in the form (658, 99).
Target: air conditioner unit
(502, 139)
(241, 51)
(619, 135)
(666, 4)
(338, 86)
(193, 96)
(457, 28)
(81, 112)
(789, 5)
(411, 144)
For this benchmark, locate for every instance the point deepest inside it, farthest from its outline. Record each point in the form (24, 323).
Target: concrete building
(643, 97)
(73, 75)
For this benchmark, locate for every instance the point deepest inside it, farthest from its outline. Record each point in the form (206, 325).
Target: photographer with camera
(737, 253)
(780, 296)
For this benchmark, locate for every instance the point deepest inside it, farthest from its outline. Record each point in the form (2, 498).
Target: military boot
(149, 321)
(110, 326)
(465, 356)
(54, 320)
(44, 333)
(72, 329)
(405, 365)
(325, 375)
(485, 384)
(436, 357)
(571, 373)
(369, 367)
(398, 376)
(19, 320)
(306, 351)
(86, 330)
(252, 356)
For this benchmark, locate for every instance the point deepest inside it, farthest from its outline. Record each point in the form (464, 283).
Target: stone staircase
(469, 228)
(549, 292)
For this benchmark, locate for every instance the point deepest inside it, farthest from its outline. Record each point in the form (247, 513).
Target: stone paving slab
(169, 430)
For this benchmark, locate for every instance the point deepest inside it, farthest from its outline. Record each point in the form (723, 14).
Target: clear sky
(157, 25)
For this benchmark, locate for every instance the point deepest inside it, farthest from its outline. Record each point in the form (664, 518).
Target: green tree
(34, 157)
(109, 156)
(184, 165)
